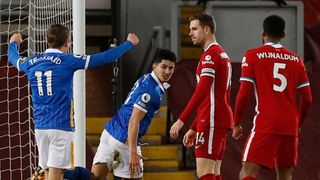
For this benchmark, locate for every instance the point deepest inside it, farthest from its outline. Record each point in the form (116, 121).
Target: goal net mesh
(30, 18)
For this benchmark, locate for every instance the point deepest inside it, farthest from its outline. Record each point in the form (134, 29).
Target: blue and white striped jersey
(145, 95)
(50, 76)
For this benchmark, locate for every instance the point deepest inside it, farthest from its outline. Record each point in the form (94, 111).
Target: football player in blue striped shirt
(50, 76)
(122, 134)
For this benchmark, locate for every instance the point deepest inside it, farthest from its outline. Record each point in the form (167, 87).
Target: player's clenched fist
(16, 38)
(133, 38)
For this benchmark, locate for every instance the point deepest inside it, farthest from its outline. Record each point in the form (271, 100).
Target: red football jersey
(276, 73)
(211, 98)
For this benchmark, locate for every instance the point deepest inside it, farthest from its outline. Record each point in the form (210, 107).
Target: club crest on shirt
(145, 98)
(207, 58)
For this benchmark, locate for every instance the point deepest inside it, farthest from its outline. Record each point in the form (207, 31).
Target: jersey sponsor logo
(244, 62)
(275, 55)
(207, 59)
(145, 98)
(224, 55)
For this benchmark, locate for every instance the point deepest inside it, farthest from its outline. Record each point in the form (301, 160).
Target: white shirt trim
(18, 64)
(139, 107)
(213, 43)
(163, 86)
(212, 116)
(53, 50)
(246, 79)
(275, 45)
(303, 85)
(246, 150)
(87, 62)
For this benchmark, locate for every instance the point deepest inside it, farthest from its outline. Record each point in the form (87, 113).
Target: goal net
(18, 153)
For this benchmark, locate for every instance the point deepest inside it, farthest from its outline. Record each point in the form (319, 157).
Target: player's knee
(78, 173)
(217, 167)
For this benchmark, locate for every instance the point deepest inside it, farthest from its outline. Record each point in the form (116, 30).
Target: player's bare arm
(133, 38)
(16, 38)
(196, 99)
(241, 102)
(133, 130)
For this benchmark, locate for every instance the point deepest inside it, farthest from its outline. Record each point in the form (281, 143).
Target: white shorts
(55, 148)
(116, 155)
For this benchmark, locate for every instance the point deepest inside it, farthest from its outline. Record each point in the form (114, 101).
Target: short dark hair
(274, 26)
(205, 20)
(57, 35)
(164, 54)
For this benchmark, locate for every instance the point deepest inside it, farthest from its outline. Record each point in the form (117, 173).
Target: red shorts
(271, 150)
(210, 147)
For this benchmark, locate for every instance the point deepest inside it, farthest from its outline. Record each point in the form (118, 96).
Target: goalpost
(18, 153)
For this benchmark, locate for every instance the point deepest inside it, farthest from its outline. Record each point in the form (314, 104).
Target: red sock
(208, 177)
(248, 178)
(218, 177)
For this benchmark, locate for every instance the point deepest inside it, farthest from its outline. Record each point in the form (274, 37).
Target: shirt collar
(275, 45)
(52, 50)
(211, 44)
(163, 86)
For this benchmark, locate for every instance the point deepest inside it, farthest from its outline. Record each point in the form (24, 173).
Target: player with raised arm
(122, 134)
(50, 76)
(211, 100)
(277, 75)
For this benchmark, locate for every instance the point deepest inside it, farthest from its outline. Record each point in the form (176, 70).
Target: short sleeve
(144, 101)
(22, 64)
(302, 78)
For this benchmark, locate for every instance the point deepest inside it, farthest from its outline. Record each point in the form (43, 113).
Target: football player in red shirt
(276, 75)
(211, 101)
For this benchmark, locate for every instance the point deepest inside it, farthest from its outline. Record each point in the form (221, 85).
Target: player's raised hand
(16, 38)
(189, 138)
(175, 128)
(133, 38)
(237, 132)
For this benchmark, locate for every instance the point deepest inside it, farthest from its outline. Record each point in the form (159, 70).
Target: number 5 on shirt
(281, 77)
